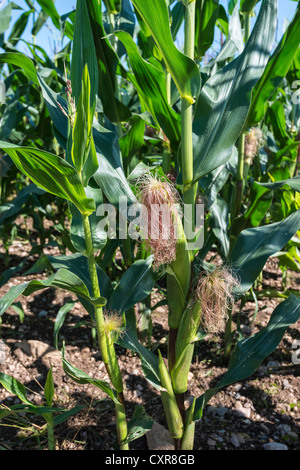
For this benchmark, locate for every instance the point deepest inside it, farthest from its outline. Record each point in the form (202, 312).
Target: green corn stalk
(189, 189)
(173, 415)
(106, 345)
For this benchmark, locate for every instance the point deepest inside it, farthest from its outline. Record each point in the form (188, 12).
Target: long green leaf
(52, 173)
(224, 100)
(206, 17)
(49, 8)
(276, 69)
(62, 279)
(134, 286)
(108, 65)
(82, 377)
(83, 148)
(250, 352)
(20, 60)
(12, 385)
(184, 71)
(150, 83)
(255, 245)
(83, 54)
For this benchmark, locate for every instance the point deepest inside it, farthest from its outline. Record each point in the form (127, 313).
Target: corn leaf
(255, 245)
(150, 83)
(62, 279)
(250, 352)
(50, 172)
(183, 70)
(275, 71)
(224, 100)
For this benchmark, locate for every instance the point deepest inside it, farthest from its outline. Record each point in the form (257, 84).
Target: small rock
(284, 429)
(286, 384)
(273, 364)
(158, 438)
(211, 409)
(211, 442)
(247, 330)
(234, 440)
(264, 428)
(262, 370)
(42, 313)
(139, 387)
(221, 411)
(238, 387)
(242, 410)
(274, 446)
(38, 349)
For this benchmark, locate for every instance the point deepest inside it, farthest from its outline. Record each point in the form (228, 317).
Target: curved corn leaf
(183, 70)
(52, 173)
(78, 264)
(82, 377)
(150, 83)
(49, 8)
(149, 361)
(276, 69)
(224, 100)
(62, 279)
(19, 27)
(135, 284)
(139, 424)
(20, 60)
(205, 20)
(255, 245)
(14, 386)
(108, 63)
(250, 352)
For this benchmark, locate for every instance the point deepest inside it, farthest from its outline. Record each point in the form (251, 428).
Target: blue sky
(46, 38)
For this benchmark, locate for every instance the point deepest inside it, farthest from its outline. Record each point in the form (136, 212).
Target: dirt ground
(262, 409)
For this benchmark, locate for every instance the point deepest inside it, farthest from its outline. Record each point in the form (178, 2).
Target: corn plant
(203, 119)
(16, 415)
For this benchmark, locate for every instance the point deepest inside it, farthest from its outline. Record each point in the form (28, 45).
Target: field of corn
(150, 226)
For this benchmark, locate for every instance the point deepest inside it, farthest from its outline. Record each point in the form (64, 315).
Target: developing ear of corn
(214, 291)
(167, 240)
(184, 349)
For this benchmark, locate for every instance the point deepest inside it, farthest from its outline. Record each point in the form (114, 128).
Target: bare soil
(262, 409)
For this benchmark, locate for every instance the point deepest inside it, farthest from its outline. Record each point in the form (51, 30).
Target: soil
(264, 408)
